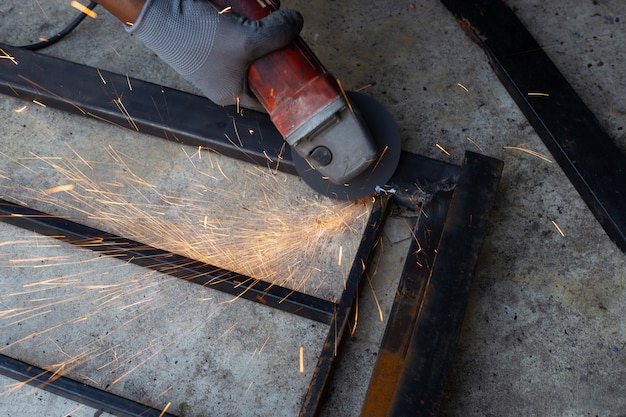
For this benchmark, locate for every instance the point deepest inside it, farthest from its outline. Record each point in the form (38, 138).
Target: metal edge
(423, 328)
(76, 391)
(586, 153)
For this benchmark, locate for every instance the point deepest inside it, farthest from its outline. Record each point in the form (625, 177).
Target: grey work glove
(212, 50)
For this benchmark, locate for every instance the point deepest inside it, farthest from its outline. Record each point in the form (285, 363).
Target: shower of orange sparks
(274, 238)
(44, 306)
(267, 243)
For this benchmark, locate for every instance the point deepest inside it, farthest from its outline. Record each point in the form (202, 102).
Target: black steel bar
(344, 307)
(445, 299)
(178, 266)
(147, 107)
(391, 357)
(76, 391)
(424, 186)
(163, 112)
(419, 342)
(583, 149)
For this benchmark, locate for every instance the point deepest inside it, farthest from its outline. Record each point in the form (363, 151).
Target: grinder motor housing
(307, 105)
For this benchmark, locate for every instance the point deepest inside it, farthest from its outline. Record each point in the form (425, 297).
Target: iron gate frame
(195, 121)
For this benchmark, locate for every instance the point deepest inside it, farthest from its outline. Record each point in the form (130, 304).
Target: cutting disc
(387, 138)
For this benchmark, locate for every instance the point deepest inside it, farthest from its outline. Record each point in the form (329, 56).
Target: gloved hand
(212, 50)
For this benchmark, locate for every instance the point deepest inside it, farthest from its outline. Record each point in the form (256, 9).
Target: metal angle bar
(423, 329)
(588, 156)
(396, 340)
(173, 114)
(76, 391)
(143, 106)
(178, 266)
(344, 308)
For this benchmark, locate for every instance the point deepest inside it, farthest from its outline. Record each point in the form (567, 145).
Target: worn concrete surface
(544, 331)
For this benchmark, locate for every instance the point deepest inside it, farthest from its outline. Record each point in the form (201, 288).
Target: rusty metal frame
(195, 121)
(416, 352)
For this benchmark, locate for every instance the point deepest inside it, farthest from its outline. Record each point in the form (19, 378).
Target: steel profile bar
(68, 388)
(391, 358)
(586, 153)
(158, 111)
(424, 325)
(414, 171)
(147, 108)
(178, 266)
(344, 307)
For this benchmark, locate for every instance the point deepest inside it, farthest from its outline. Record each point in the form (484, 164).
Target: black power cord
(54, 39)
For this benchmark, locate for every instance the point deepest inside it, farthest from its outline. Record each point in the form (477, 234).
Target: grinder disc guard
(385, 134)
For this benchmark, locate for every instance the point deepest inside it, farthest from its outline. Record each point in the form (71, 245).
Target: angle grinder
(345, 144)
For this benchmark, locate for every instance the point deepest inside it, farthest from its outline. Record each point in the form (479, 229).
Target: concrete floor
(543, 334)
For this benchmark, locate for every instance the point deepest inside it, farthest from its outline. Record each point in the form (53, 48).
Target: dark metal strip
(585, 152)
(76, 391)
(345, 305)
(169, 263)
(391, 356)
(148, 108)
(420, 184)
(163, 112)
(422, 333)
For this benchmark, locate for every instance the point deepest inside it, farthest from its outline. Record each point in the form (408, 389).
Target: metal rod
(423, 329)
(588, 156)
(178, 266)
(148, 108)
(391, 357)
(344, 307)
(75, 391)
